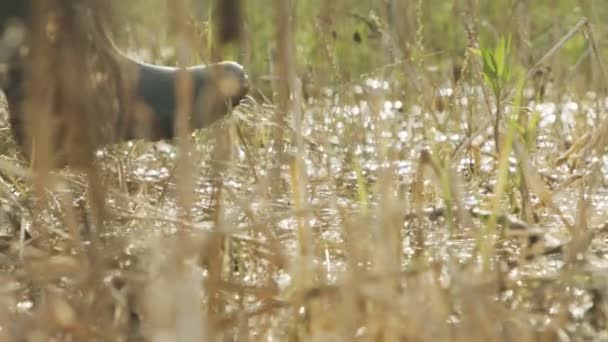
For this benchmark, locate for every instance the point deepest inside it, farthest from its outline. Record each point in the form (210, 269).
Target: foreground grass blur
(386, 211)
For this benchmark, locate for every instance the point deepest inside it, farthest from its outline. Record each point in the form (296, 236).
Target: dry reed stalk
(536, 184)
(417, 199)
(281, 83)
(37, 106)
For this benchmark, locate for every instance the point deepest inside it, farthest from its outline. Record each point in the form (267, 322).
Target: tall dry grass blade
(184, 85)
(598, 56)
(565, 38)
(536, 184)
(418, 200)
(283, 83)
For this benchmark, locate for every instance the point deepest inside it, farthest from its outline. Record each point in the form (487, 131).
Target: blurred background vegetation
(339, 41)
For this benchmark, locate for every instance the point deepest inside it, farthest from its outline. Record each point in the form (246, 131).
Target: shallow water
(361, 157)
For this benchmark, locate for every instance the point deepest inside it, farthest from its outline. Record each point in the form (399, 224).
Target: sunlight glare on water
(376, 83)
(547, 111)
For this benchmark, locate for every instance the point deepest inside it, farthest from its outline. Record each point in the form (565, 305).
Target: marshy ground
(379, 209)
